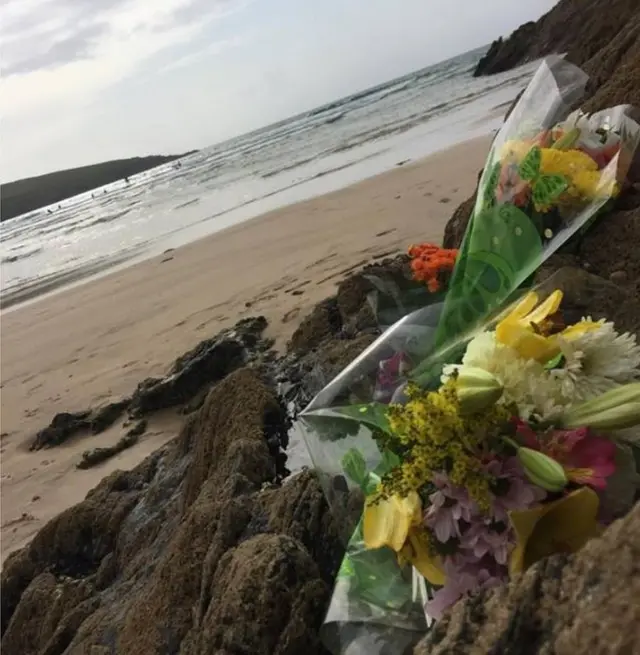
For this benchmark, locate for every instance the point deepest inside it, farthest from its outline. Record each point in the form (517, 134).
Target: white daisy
(526, 382)
(597, 361)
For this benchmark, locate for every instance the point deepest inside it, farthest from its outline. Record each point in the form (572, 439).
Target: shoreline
(405, 153)
(90, 345)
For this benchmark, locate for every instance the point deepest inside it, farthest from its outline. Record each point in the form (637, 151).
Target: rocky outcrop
(566, 605)
(193, 551)
(578, 28)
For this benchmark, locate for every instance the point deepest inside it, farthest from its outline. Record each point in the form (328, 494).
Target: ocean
(307, 155)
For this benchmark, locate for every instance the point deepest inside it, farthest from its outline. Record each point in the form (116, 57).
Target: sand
(91, 344)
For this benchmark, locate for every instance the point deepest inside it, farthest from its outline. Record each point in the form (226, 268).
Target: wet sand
(93, 343)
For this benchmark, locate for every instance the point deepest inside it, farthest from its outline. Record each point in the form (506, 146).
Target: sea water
(307, 155)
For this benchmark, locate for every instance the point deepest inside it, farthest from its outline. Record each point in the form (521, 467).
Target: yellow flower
(562, 526)
(432, 427)
(513, 150)
(417, 551)
(565, 162)
(525, 328)
(387, 520)
(394, 522)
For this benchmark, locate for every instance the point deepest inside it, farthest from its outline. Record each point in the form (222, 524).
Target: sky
(83, 81)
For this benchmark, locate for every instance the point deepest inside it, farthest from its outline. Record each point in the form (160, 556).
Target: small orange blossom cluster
(429, 261)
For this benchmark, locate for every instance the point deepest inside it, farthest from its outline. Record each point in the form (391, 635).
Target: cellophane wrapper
(533, 196)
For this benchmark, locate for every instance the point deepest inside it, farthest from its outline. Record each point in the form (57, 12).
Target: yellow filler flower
(394, 522)
(562, 526)
(526, 328)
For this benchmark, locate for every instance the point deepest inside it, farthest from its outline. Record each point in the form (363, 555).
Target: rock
(210, 361)
(610, 246)
(618, 277)
(504, 54)
(67, 424)
(95, 456)
(63, 426)
(457, 224)
(185, 553)
(323, 322)
(106, 416)
(567, 605)
(595, 25)
(614, 68)
(586, 294)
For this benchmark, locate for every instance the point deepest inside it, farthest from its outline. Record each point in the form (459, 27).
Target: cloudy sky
(88, 80)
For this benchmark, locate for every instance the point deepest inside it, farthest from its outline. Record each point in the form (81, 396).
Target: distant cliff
(25, 195)
(578, 27)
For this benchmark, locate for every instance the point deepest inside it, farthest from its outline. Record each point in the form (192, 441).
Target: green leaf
(555, 362)
(547, 188)
(373, 415)
(389, 461)
(355, 467)
(530, 165)
(489, 190)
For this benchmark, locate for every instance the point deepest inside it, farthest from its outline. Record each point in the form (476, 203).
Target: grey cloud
(79, 45)
(194, 11)
(53, 33)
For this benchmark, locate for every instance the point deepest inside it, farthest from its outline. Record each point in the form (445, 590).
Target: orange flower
(429, 261)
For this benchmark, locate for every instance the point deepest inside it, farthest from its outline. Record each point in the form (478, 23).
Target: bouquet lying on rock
(492, 426)
(508, 460)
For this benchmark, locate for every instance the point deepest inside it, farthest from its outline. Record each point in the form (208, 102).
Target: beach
(92, 344)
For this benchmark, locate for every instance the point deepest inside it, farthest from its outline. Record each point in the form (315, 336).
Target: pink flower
(586, 458)
(391, 373)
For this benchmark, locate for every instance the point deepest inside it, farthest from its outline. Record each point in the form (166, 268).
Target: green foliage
(530, 165)
(547, 188)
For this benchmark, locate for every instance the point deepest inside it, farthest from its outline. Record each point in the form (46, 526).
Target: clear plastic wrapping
(551, 170)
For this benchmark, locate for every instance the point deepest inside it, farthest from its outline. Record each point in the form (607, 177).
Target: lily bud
(477, 389)
(542, 470)
(616, 409)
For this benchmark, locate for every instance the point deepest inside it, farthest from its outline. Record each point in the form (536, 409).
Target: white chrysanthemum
(526, 382)
(597, 361)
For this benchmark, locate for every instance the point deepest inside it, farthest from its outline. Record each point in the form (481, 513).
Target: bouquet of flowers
(483, 431)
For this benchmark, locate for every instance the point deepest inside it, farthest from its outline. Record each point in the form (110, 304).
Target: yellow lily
(523, 328)
(416, 551)
(563, 525)
(394, 522)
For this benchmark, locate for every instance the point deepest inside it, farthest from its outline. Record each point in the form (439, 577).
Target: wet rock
(67, 424)
(210, 361)
(185, 553)
(63, 426)
(106, 416)
(95, 456)
(567, 605)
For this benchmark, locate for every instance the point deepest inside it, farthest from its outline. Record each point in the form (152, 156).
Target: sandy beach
(91, 344)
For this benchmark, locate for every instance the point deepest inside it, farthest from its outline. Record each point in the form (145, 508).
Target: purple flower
(514, 491)
(464, 576)
(484, 538)
(449, 506)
